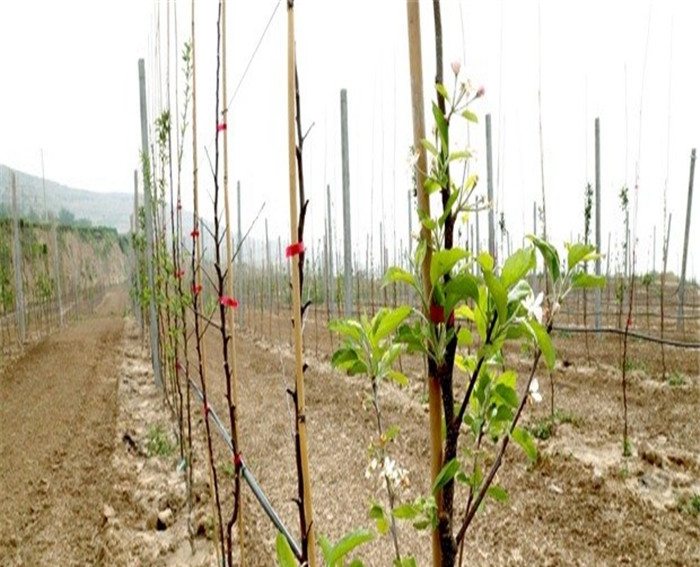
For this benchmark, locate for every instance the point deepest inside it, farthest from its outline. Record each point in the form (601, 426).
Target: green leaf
(396, 274)
(431, 185)
(516, 266)
(356, 563)
(398, 377)
(427, 222)
(343, 357)
(454, 156)
(509, 378)
(469, 115)
(579, 252)
(406, 511)
(348, 543)
(507, 394)
(430, 147)
(462, 286)
(376, 511)
(445, 475)
(326, 548)
(550, 256)
(544, 341)
(383, 526)
(485, 260)
(441, 125)
(439, 87)
(464, 337)
(348, 327)
(390, 321)
(443, 261)
(519, 292)
(582, 280)
(523, 438)
(499, 295)
(447, 209)
(497, 493)
(285, 555)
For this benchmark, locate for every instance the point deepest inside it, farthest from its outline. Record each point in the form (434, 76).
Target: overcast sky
(70, 87)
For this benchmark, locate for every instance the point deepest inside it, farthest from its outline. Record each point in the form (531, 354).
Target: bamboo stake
(308, 539)
(434, 395)
(238, 514)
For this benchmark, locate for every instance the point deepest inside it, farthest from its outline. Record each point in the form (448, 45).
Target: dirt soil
(80, 484)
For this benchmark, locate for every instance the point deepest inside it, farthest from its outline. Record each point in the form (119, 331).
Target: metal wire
(249, 478)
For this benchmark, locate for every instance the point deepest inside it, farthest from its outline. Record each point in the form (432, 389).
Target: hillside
(101, 209)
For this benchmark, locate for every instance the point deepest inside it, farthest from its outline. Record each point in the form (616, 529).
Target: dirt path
(57, 415)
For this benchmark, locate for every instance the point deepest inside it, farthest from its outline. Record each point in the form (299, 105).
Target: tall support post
(57, 270)
(489, 188)
(155, 348)
(17, 264)
(410, 224)
(239, 260)
(347, 241)
(137, 270)
(423, 203)
(306, 524)
(681, 288)
(329, 244)
(598, 241)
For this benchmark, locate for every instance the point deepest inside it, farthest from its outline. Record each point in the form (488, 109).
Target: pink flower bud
(456, 66)
(480, 92)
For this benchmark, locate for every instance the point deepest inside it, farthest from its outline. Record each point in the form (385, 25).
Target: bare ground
(75, 492)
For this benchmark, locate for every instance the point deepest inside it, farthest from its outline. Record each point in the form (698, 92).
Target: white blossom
(534, 391)
(533, 306)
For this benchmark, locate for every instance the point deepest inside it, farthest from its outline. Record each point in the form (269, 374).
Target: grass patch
(690, 504)
(546, 427)
(676, 379)
(158, 443)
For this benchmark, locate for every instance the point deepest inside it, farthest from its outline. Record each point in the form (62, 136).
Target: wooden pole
(689, 206)
(305, 482)
(155, 348)
(598, 241)
(347, 242)
(418, 113)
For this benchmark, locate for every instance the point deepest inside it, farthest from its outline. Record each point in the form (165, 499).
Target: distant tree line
(65, 217)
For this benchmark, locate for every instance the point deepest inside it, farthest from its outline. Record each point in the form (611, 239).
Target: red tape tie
(228, 302)
(221, 127)
(294, 249)
(205, 410)
(238, 459)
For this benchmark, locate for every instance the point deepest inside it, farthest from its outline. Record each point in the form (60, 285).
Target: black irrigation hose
(248, 476)
(615, 331)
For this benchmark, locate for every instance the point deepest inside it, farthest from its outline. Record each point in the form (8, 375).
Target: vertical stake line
(423, 203)
(155, 351)
(306, 518)
(17, 248)
(232, 382)
(597, 222)
(684, 263)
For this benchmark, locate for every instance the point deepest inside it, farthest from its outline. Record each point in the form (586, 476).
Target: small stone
(598, 478)
(108, 512)
(165, 519)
